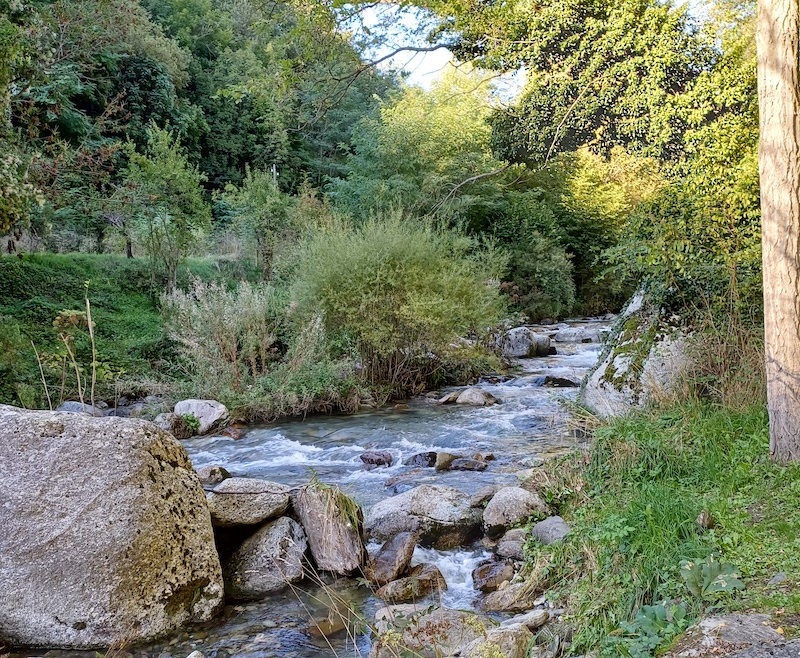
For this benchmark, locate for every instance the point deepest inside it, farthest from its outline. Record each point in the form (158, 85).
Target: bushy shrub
(399, 290)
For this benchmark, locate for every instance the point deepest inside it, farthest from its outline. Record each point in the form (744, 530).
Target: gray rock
(718, 635)
(562, 381)
(522, 342)
(509, 599)
(476, 397)
(449, 398)
(483, 495)
(777, 650)
(375, 458)
(174, 424)
(195, 654)
(437, 633)
(73, 407)
(210, 413)
(440, 515)
(511, 544)
(578, 335)
(488, 577)
(511, 641)
(245, 501)
(392, 559)
(510, 506)
(531, 620)
(777, 579)
(106, 536)
(212, 474)
(551, 530)
(332, 522)
(464, 464)
(424, 579)
(444, 459)
(425, 459)
(266, 562)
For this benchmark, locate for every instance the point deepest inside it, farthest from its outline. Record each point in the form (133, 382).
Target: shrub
(399, 290)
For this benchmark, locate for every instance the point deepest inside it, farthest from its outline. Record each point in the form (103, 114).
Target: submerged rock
(246, 501)
(440, 515)
(332, 522)
(105, 538)
(266, 562)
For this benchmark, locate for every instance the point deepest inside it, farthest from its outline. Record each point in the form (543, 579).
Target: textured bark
(779, 173)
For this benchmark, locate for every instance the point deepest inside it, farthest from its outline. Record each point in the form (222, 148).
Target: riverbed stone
(551, 530)
(440, 515)
(437, 633)
(531, 620)
(424, 459)
(466, 464)
(209, 413)
(245, 501)
(444, 459)
(449, 398)
(513, 598)
(476, 397)
(488, 577)
(174, 424)
(212, 474)
(422, 580)
(266, 562)
(332, 522)
(106, 536)
(392, 559)
(511, 544)
(510, 506)
(374, 458)
(510, 641)
(483, 495)
(522, 342)
(585, 334)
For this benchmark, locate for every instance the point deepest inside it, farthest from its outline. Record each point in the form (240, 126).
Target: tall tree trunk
(779, 173)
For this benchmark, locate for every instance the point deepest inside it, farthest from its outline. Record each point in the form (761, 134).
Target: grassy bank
(634, 502)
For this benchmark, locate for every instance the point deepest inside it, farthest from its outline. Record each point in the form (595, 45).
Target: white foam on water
(456, 567)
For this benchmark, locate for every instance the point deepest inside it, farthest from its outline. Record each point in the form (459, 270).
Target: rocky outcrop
(332, 522)
(510, 506)
(437, 633)
(246, 501)
(550, 530)
(422, 580)
(105, 532)
(266, 562)
(391, 560)
(209, 413)
(522, 342)
(439, 515)
(643, 361)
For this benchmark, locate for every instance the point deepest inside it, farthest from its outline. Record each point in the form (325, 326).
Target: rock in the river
(209, 413)
(425, 459)
(245, 501)
(375, 458)
(551, 530)
(476, 397)
(105, 537)
(332, 522)
(562, 381)
(449, 398)
(511, 544)
(509, 599)
(174, 424)
(423, 579)
(440, 515)
(392, 559)
(443, 460)
(465, 464)
(522, 342)
(507, 641)
(266, 562)
(212, 474)
(437, 633)
(509, 506)
(488, 577)
(644, 361)
(578, 335)
(73, 407)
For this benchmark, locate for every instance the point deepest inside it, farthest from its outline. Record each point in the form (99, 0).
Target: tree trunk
(779, 173)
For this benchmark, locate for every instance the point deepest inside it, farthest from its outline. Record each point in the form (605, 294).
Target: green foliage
(633, 511)
(192, 423)
(654, 626)
(399, 290)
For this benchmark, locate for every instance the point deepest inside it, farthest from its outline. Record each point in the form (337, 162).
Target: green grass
(131, 341)
(633, 503)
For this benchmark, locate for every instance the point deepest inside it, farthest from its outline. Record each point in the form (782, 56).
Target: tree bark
(779, 173)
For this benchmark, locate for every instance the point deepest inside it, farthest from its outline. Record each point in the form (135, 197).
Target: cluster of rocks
(537, 340)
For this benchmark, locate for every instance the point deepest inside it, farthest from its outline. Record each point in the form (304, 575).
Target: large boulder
(209, 413)
(266, 562)
(332, 522)
(392, 559)
(644, 360)
(245, 501)
(106, 537)
(440, 516)
(437, 633)
(510, 506)
(522, 342)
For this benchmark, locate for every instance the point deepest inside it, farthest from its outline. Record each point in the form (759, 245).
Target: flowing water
(529, 425)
